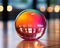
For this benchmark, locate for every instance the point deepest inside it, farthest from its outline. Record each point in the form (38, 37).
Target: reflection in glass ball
(30, 24)
(31, 44)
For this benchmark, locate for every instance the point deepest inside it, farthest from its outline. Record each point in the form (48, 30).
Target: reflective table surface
(51, 39)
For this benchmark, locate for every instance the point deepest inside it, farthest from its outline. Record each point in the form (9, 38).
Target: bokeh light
(42, 9)
(56, 9)
(9, 8)
(50, 9)
(1, 8)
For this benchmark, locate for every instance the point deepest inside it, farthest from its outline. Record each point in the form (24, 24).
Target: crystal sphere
(30, 24)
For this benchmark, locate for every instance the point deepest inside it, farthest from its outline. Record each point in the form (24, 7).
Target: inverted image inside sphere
(30, 24)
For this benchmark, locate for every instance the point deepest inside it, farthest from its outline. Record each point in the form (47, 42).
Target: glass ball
(30, 24)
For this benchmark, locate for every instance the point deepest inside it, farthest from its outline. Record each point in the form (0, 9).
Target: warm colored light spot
(42, 9)
(50, 9)
(9, 8)
(57, 8)
(1, 8)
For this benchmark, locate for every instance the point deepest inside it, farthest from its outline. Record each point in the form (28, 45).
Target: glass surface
(30, 24)
(51, 39)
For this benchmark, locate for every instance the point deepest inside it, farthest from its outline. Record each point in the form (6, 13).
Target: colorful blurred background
(9, 10)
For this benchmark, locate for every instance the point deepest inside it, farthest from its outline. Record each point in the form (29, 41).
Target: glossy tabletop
(51, 39)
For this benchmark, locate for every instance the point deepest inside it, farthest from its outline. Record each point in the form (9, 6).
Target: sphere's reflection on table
(30, 44)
